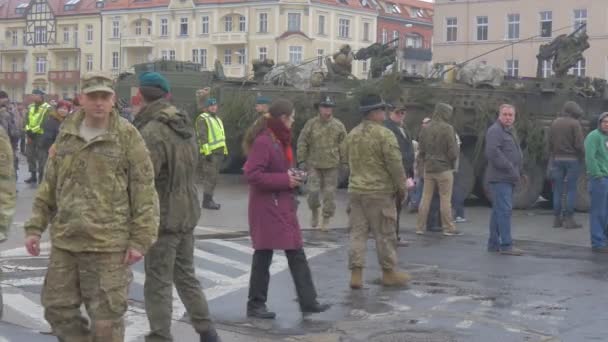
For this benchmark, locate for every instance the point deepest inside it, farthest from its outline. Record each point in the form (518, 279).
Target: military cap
(38, 92)
(443, 109)
(325, 101)
(97, 81)
(371, 102)
(3, 94)
(210, 102)
(262, 100)
(155, 80)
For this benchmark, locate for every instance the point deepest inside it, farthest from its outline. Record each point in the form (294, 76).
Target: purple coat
(273, 221)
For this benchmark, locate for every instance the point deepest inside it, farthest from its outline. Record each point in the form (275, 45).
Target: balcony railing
(8, 46)
(417, 54)
(64, 77)
(62, 45)
(235, 70)
(137, 41)
(229, 38)
(13, 78)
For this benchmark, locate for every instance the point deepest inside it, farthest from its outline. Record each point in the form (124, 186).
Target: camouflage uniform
(170, 137)
(376, 175)
(100, 199)
(7, 191)
(7, 121)
(319, 148)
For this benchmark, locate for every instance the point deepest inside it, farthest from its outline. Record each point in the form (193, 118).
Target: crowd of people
(115, 189)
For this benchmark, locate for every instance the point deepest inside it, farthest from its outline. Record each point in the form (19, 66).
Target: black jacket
(504, 154)
(50, 128)
(405, 145)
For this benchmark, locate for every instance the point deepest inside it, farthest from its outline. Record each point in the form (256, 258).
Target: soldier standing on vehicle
(99, 198)
(171, 140)
(36, 114)
(377, 180)
(213, 150)
(8, 192)
(319, 153)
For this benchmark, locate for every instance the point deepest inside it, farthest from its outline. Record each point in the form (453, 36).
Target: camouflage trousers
(322, 182)
(376, 213)
(100, 281)
(35, 156)
(209, 171)
(170, 261)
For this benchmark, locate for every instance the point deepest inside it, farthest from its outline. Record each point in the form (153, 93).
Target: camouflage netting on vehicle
(475, 74)
(302, 76)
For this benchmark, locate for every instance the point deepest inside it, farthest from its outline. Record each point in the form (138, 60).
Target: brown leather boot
(557, 222)
(394, 278)
(569, 223)
(356, 278)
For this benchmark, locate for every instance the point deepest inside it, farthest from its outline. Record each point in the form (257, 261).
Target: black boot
(33, 179)
(208, 203)
(258, 285)
(302, 278)
(210, 336)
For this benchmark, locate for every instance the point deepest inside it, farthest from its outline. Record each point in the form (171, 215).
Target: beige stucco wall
(467, 46)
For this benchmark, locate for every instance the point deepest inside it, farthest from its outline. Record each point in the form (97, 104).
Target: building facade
(46, 44)
(411, 22)
(233, 32)
(468, 28)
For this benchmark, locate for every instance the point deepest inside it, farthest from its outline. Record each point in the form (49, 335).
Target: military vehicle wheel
(465, 178)
(582, 201)
(528, 190)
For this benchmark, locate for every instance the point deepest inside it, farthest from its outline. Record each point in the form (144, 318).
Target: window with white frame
(66, 34)
(40, 64)
(295, 55)
(513, 26)
(183, 26)
(364, 66)
(263, 23)
(75, 35)
(227, 23)
(241, 56)
(65, 63)
(546, 24)
(320, 57)
(149, 28)
(205, 24)
(482, 28)
(195, 57)
(344, 28)
(164, 27)
(366, 32)
(89, 63)
(139, 58)
(547, 68)
(203, 56)
(242, 24)
(40, 35)
(171, 55)
(293, 22)
(384, 36)
(115, 60)
(413, 40)
(580, 18)
(15, 37)
(116, 28)
(580, 69)
(321, 29)
(138, 28)
(451, 25)
(228, 57)
(395, 38)
(14, 65)
(262, 53)
(513, 67)
(164, 55)
(89, 33)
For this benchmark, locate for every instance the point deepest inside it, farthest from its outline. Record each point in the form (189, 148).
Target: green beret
(262, 100)
(210, 102)
(154, 79)
(38, 92)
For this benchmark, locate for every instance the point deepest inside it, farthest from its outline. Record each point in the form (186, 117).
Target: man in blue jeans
(596, 160)
(567, 154)
(503, 171)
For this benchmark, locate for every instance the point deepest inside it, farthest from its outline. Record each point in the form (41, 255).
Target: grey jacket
(503, 154)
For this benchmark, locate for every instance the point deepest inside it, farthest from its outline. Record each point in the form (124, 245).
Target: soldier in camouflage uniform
(7, 121)
(319, 153)
(171, 141)
(376, 178)
(7, 191)
(98, 196)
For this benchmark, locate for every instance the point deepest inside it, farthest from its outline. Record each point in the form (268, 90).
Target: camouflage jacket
(319, 143)
(171, 140)
(438, 147)
(98, 196)
(7, 185)
(7, 121)
(374, 159)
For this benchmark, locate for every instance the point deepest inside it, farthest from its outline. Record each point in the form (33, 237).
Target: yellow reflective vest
(216, 138)
(35, 118)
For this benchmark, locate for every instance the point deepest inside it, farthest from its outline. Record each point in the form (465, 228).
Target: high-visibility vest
(35, 118)
(216, 138)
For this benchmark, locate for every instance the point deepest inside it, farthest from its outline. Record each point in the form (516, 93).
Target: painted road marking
(26, 307)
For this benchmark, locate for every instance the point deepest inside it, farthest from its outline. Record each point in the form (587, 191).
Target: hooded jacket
(171, 140)
(596, 151)
(437, 145)
(566, 134)
(50, 128)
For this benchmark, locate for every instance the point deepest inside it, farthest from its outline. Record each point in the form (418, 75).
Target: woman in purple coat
(273, 223)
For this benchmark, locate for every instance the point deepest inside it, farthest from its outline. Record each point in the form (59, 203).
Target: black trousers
(260, 278)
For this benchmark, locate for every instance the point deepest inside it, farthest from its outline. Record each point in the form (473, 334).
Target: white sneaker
(460, 219)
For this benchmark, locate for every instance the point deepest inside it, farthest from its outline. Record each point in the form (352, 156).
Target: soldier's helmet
(325, 101)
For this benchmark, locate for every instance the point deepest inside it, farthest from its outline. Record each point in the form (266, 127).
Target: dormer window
(394, 8)
(345, 2)
(99, 3)
(364, 3)
(70, 5)
(20, 9)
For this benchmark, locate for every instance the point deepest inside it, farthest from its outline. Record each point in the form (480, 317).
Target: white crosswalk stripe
(222, 266)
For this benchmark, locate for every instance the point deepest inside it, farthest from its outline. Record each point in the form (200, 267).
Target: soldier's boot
(33, 179)
(557, 222)
(569, 223)
(356, 278)
(324, 223)
(314, 220)
(394, 278)
(208, 203)
(210, 336)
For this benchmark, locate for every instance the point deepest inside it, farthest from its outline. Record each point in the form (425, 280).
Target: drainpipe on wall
(101, 42)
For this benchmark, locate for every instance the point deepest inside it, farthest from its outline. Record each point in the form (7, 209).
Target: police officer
(376, 178)
(319, 153)
(7, 190)
(212, 148)
(99, 198)
(36, 113)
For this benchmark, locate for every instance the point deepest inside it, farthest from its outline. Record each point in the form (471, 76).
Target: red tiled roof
(8, 8)
(353, 4)
(132, 4)
(406, 7)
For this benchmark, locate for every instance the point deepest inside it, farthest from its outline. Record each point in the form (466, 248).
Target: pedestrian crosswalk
(222, 267)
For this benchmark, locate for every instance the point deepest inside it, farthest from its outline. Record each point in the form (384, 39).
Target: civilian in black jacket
(50, 128)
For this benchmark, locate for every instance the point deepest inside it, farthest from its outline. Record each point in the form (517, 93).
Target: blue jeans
(598, 214)
(564, 171)
(458, 197)
(500, 222)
